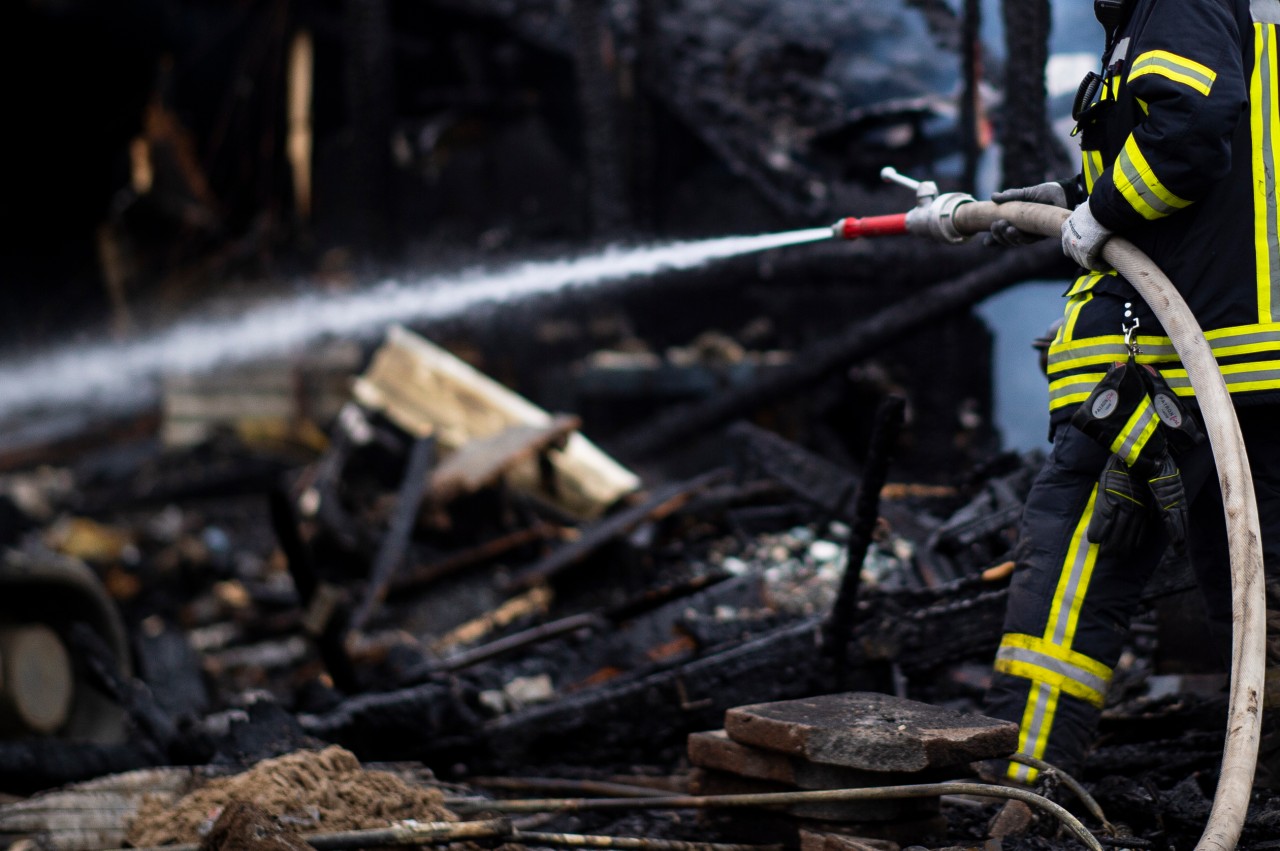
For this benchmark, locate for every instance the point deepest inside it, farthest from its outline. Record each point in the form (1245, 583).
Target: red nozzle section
(852, 228)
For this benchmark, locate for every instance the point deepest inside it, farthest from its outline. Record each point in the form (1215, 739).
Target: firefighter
(1180, 140)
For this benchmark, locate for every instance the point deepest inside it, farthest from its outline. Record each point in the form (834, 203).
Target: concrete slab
(871, 732)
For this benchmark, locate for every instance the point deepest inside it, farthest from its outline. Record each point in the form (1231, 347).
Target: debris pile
(311, 791)
(450, 577)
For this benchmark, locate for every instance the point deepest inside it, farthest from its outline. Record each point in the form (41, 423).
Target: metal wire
(884, 793)
(1090, 803)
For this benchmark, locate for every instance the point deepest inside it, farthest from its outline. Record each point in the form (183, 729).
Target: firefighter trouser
(1069, 607)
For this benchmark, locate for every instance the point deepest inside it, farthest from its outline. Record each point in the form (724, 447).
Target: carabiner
(1131, 336)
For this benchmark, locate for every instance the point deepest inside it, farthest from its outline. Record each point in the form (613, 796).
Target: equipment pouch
(1181, 428)
(1120, 417)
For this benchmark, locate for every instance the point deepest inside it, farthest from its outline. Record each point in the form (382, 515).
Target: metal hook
(1131, 336)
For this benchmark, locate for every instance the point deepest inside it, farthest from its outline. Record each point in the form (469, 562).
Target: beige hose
(1248, 652)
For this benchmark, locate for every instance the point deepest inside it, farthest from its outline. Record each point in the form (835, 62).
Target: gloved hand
(1119, 512)
(1083, 238)
(1002, 230)
(1171, 502)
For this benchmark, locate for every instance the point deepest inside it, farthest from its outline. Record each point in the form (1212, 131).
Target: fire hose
(952, 218)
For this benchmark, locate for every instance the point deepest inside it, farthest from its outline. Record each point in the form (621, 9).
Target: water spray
(113, 376)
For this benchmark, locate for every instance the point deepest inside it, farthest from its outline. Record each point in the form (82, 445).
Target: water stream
(110, 376)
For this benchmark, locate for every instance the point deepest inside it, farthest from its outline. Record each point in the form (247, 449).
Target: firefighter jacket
(1180, 144)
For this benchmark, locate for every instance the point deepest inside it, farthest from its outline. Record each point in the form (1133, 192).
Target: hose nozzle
(852, 228)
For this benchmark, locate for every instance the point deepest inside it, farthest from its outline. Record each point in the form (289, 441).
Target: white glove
(1002, 230)
(1083, 238)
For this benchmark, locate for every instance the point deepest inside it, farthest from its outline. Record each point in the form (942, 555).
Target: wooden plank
(482, 462)
(425, 390)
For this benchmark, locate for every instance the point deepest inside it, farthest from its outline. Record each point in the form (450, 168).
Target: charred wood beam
(35, 764)
(655, 706)
(659, 709)
(489, 550)
(809, 477)
(520, 640)
(866, 509)
(396, 543)
(1025, 137)
(971, 56)
(160, 736)
(594, 57)
(857, 341)
(397, 725)
(662, 503)
(330, 634)
(371, 108)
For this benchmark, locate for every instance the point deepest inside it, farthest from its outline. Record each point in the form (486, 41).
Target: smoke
(114, 375)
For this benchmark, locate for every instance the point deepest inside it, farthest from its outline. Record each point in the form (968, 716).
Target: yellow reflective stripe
(1064, 615)
(1240, 378)
(1084, 283)
(1060, 681)
(1036, 659)
(1073, 312)
(1072, 389)
(1177, 68)
(1073, 580)
(1033, 732)
(1104, 348)
(1264, 126)
(1131, 440)
(1055, 651)
(1093, 168)
(1139, 185)
(1101, 356)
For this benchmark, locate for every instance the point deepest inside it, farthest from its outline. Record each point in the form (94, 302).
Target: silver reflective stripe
(1058, 666)
(1075, 581)
(1118, 351)
(1175, 67)
(1113, 351)
(1122, 49)
(1265, 11)
(1136, 432)
(1130, 172)
(1036, 732)
(1268, 97)
(1260, 374)
(1247, 338)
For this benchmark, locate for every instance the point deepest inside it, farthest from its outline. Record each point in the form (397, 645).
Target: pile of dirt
(310, 791)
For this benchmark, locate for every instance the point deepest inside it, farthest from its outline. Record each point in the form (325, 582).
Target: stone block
(871, 732)
(715, 750)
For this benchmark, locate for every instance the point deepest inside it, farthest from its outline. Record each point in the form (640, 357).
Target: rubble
(501, 634)
(276, 603)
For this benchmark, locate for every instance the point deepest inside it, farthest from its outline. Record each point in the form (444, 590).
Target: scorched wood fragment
(822, 358)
